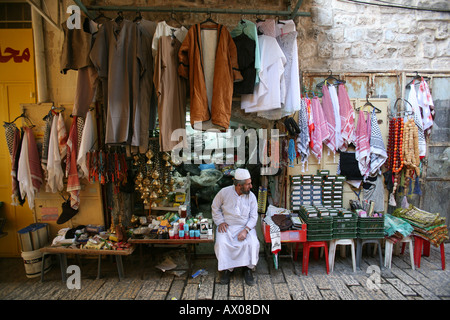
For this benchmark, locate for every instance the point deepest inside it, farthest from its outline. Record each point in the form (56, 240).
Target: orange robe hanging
(215, 113)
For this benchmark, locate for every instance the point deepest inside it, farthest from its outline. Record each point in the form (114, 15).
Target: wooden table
(189, 243)
(62, 252)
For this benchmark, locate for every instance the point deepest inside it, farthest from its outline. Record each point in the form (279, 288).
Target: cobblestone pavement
(429, 282)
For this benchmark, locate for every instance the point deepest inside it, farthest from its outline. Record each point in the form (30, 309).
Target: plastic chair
(332, 254)
(389, 246)
(361, 243)
(419, 244)
(313, 244)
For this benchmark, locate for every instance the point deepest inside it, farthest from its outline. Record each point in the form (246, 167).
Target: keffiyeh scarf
(328, 112)
(303, 137)
(347, 115)
(362, 150)
(412, 98)
(320, 132)
(378, 154)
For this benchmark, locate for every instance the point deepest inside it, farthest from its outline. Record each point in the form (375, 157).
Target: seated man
(235, 212)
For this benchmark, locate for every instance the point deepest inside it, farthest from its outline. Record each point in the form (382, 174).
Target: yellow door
(17, 86)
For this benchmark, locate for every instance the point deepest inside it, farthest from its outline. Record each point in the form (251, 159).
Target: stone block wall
(347, 36)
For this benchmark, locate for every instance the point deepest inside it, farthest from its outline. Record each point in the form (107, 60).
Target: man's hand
(222, 227)
(242, 235)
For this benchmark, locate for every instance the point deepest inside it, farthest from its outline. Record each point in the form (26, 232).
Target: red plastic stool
(423, 246)
(313, 244)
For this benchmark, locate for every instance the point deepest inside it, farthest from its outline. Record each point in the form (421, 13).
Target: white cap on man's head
(241, 174)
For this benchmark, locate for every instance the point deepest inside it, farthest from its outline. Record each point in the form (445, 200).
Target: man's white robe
(238, 211)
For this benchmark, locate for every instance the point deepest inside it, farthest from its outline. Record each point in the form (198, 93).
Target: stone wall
(350, 37)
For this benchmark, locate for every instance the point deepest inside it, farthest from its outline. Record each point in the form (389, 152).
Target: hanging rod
(292, 14)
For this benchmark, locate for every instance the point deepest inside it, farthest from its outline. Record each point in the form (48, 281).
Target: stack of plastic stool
(389, 248)
(332, 254)
(361, 243)
(313, 244)
(420, 243)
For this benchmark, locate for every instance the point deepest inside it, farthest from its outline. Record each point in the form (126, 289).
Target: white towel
(54, 168)
(87, 142)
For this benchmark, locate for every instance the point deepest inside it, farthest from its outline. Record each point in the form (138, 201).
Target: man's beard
(243, 191)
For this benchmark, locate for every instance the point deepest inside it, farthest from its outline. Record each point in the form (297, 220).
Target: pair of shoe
(248, 277)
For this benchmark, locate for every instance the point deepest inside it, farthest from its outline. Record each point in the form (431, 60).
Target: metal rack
(288, 13)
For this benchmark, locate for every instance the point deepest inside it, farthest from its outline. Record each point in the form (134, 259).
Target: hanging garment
(249, 29)
(55, 172)
(114, 55)
(348, 166)
(374, 191)
(290, 91)
(73, 182)
(75, 51)
(171, 91)
(362, 150)
(378, 154)
(62, 136)
(426, 103)
(16, 197)
(412, 98)
(238, 211)
(245, 48)
(76, 46)
(303, 137)
(337, 117)
(146, 109)
(163, 29)
(29, 174)
(45, 142)
(328, 111)
(10, 133)
(209, 53)
(86, 145)
(347, 115)
(267, 93)
(267, 27)
(320, 133)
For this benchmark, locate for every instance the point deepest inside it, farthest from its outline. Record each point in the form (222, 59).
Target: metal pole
(193, 10)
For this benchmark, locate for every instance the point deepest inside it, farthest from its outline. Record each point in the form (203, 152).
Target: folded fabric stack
(429, 226)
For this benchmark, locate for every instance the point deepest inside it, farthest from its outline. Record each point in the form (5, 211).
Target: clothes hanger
(174, 19)
(368, 103)
(209, 20)
(138, 16)
(417, 77)
(278, 20)
(327, 80)
(101, 15)
(258, 19)
(23, 115)
(119, 17)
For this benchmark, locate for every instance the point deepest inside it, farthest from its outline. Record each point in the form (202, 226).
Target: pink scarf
(320, 132)
(347, 118)
(362, 150)
(73, 182)
(328, 111)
